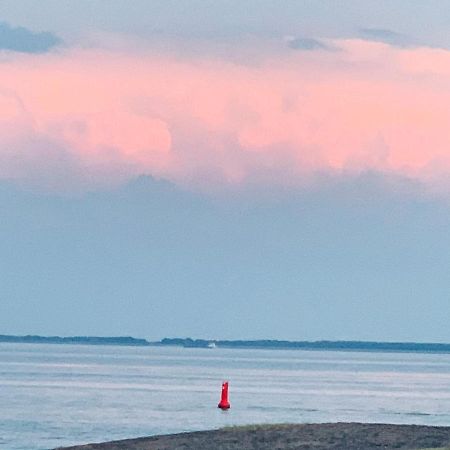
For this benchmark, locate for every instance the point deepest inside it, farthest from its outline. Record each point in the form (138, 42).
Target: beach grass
(258, 427)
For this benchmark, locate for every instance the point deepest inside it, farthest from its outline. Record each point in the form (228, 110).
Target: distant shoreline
(75, 340)
(367, 346)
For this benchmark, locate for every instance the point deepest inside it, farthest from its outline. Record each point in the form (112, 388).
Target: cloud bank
(301, 43)
(84, 118)
(387, 36)
(20, 39)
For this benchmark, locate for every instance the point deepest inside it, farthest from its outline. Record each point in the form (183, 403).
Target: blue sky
(349, 260)
(427, 21)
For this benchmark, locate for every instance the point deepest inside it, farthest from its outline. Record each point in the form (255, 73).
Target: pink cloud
(115, 115)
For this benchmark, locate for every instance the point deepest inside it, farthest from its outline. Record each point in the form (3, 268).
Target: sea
(59, 395)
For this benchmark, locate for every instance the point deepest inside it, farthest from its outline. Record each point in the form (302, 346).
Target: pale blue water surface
(55, 395)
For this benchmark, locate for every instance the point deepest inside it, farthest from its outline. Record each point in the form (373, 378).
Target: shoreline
(334, 436)
(266, 344)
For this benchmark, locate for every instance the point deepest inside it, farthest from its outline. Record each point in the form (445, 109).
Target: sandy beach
(342, 436)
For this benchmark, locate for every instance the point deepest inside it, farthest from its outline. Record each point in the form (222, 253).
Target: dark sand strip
(339, 436)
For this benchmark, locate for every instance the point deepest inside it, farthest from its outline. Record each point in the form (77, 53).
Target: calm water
(54, 395)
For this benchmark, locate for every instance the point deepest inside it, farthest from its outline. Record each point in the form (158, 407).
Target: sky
(225, 169)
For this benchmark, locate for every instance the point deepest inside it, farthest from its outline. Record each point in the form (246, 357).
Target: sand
(342, 436)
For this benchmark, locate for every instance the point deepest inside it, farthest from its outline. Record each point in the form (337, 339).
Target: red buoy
(224, 403)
